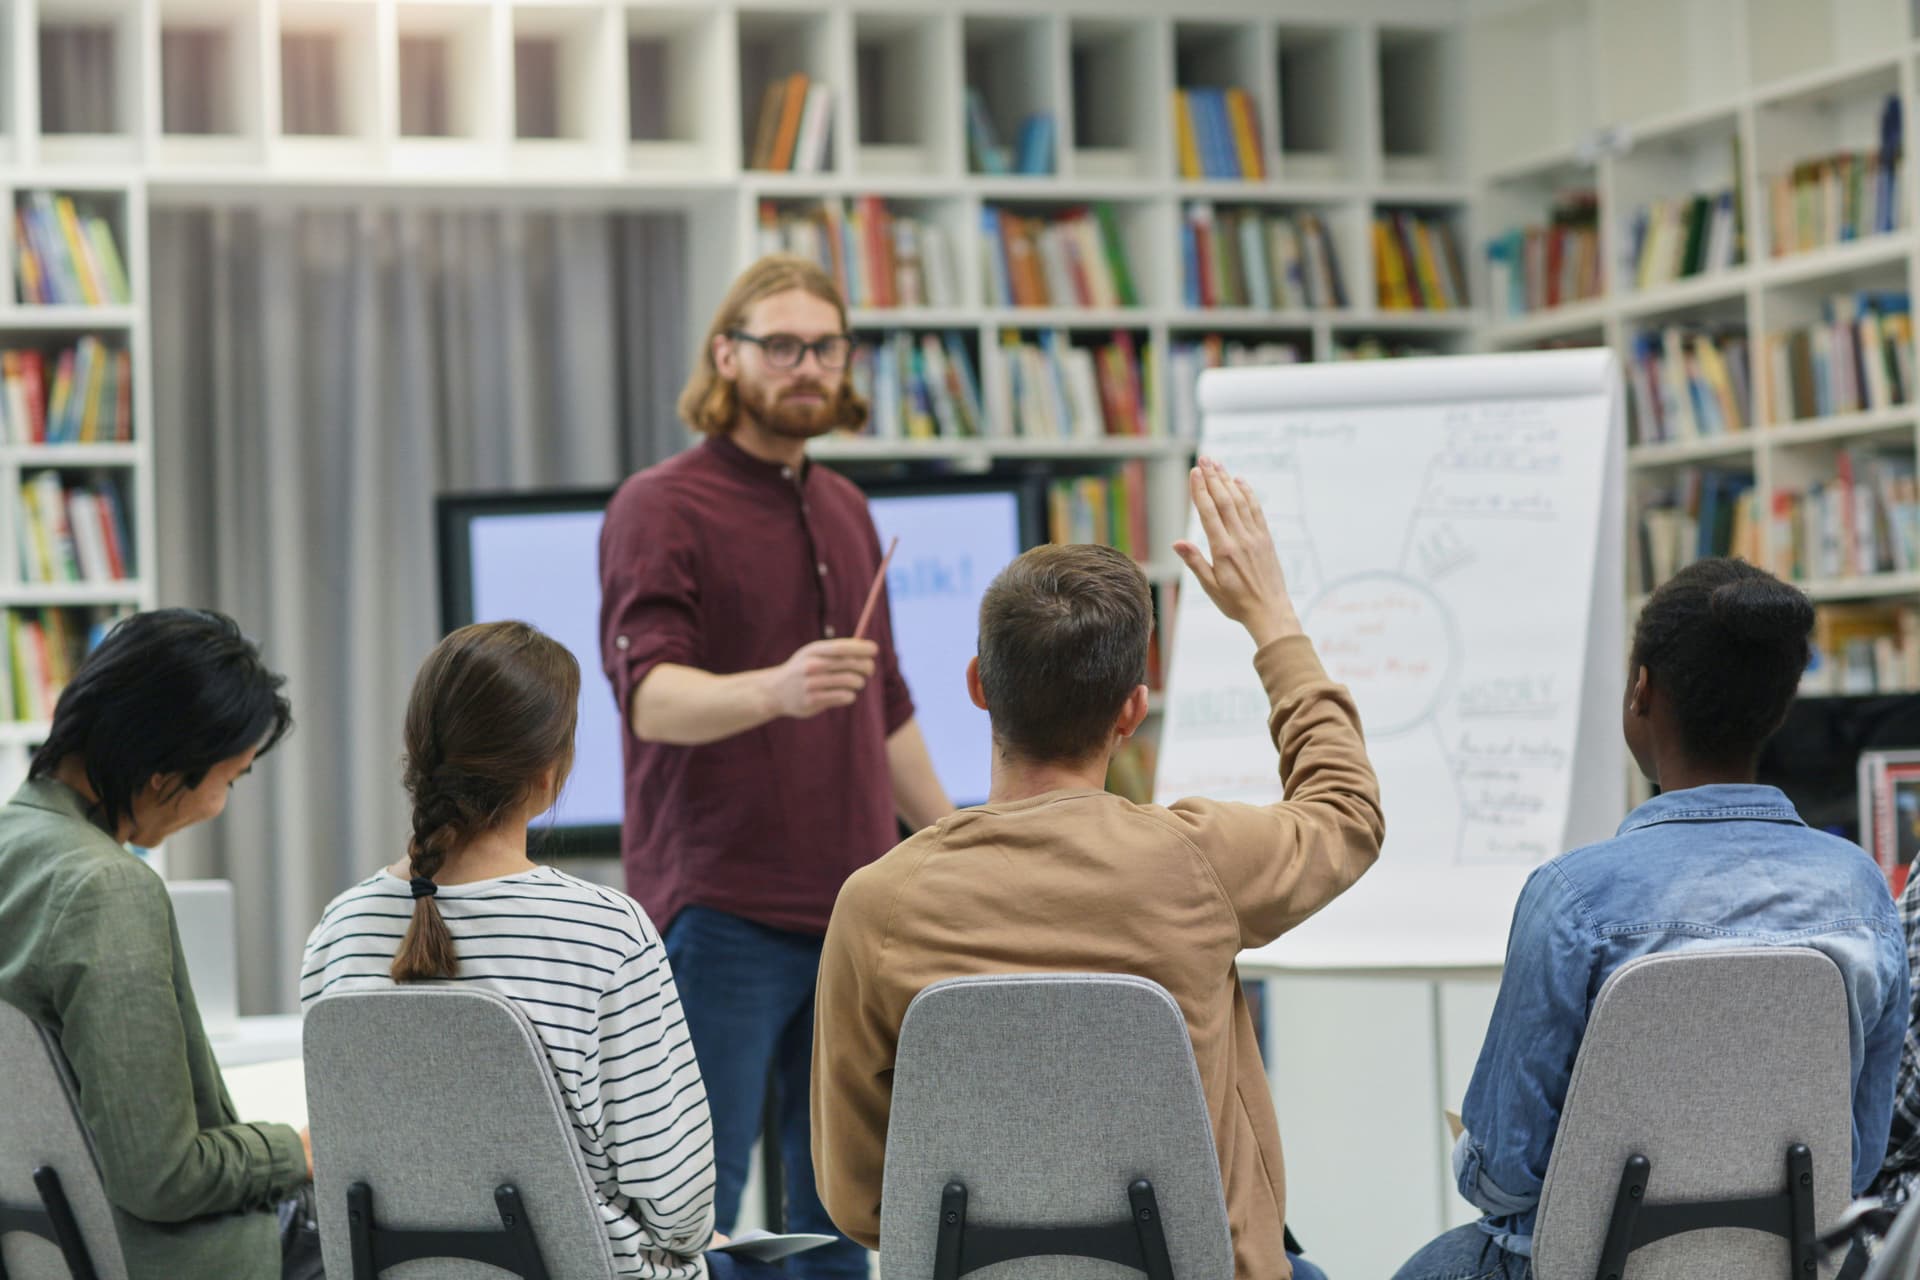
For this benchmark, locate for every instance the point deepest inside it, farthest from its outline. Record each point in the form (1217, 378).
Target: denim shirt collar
(1717, 803)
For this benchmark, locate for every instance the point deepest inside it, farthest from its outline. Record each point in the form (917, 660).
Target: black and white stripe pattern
(588, 969)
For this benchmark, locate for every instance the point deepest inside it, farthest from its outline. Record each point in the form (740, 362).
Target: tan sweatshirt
(1086, 881)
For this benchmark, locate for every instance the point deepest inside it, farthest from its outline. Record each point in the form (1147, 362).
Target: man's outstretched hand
(1243, 579)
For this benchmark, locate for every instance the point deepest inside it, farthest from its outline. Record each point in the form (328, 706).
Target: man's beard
(787, 416)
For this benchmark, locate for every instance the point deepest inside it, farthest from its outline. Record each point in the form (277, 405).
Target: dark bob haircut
(172, 691)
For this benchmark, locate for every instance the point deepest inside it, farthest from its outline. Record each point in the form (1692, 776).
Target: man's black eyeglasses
(785, 351)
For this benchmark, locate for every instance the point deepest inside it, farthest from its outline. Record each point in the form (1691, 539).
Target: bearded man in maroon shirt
(769, 750)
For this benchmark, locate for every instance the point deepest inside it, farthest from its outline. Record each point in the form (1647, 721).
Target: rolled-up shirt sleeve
(649, 588)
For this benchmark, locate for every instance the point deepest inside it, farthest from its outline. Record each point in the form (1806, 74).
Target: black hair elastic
(423, 887)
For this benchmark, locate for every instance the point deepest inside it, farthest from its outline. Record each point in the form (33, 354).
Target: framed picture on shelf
(1890, 811)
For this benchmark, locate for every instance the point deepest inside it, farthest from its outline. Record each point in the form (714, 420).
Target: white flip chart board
(1452, 531)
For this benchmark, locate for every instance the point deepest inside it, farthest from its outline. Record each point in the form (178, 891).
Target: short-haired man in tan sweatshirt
(1055, 873)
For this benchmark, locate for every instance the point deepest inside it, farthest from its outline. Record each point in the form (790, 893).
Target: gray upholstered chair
(55, 1220)
(1708, 1125)
(1046, 1120)
(439, 1134)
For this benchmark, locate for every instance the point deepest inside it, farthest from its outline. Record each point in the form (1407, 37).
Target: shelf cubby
(330, 94)
(1016, 66)
(1219, 56)
(1702, 157)
(907, 87)
(1545, 223)
(1838, 123)
(565, 69)
(675, 57)
(449, 107)
(91, 81)
(776, 45)
(1116, 129)
(1540, 54)
(210, 83)
(1321, 129)
(1420, 86)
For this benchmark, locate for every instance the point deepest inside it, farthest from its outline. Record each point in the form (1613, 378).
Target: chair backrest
(1710, 1063)
(435, 1096)
(40, 1127)
(1046, 1095)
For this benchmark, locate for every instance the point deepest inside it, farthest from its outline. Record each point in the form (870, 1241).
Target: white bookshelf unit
(1644, 101)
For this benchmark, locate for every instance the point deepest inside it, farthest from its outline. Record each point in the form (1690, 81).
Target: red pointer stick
(873, 592)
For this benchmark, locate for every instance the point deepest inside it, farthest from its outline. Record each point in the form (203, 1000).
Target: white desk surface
(267, 1038)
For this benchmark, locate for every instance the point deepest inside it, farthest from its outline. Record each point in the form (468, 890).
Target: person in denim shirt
(1715, 860)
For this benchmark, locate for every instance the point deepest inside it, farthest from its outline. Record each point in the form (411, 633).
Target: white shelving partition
(1647, 99)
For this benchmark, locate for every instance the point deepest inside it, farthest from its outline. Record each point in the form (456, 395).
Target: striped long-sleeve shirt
(588, 969)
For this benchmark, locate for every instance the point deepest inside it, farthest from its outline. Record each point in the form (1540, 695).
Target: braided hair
(492, 710)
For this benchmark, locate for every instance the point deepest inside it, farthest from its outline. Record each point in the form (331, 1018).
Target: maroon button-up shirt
(717, 560)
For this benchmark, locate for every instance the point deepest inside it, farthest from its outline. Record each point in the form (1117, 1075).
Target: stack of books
(1186, 360)
(1859, 357)
(795, 126)
(1703, 513)
(1674, 239)
(44, 647)
(1863, 648)
(1540, 267)
(1416, 263)
(88, 398)
(877, 257)
(73, 533)
(1108, 510)
(1076, 258)
(1049, 389)
(1689, 383)
(1257, 258)
(1216, 133)
(1846, 196)
(924, 389)
(1376, 347)
(1865, 520)
(66, 257)
(1032, 153)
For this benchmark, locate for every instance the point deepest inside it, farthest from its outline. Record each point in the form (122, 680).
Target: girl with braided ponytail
(489, 742)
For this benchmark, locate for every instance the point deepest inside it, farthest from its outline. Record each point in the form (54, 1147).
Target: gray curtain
(321, 374)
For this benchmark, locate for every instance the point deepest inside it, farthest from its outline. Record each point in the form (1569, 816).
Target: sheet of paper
(274, 1091)
(1443, 559)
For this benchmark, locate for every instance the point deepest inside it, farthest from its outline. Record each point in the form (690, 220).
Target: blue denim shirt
(1719, 866)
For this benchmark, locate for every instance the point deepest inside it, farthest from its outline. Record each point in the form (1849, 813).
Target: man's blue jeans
(748, 995)
(1465, 1253)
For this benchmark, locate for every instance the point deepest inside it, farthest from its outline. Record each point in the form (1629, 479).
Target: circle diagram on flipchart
(1389, 639)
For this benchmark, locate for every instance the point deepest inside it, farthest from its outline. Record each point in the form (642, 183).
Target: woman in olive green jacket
(157, 724)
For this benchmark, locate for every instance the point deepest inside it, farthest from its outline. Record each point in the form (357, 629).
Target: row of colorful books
(1859, 357)
(878, 257)
(1075, 258)
(1702, 512)
(1672, 240)
(1416, 262)
(794, 128)
(73, 532)
(1110, 510)
(1841, 197)
(1032, 152)
(1049, 388)
(44, 647)
(67, 256)
(1186, 361)
(1864, 648)
(1216, 134)
(919, 390)
(1258, 258)
(1865, 520)
(1534, 268)
(1687, 383)
(90, 399)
